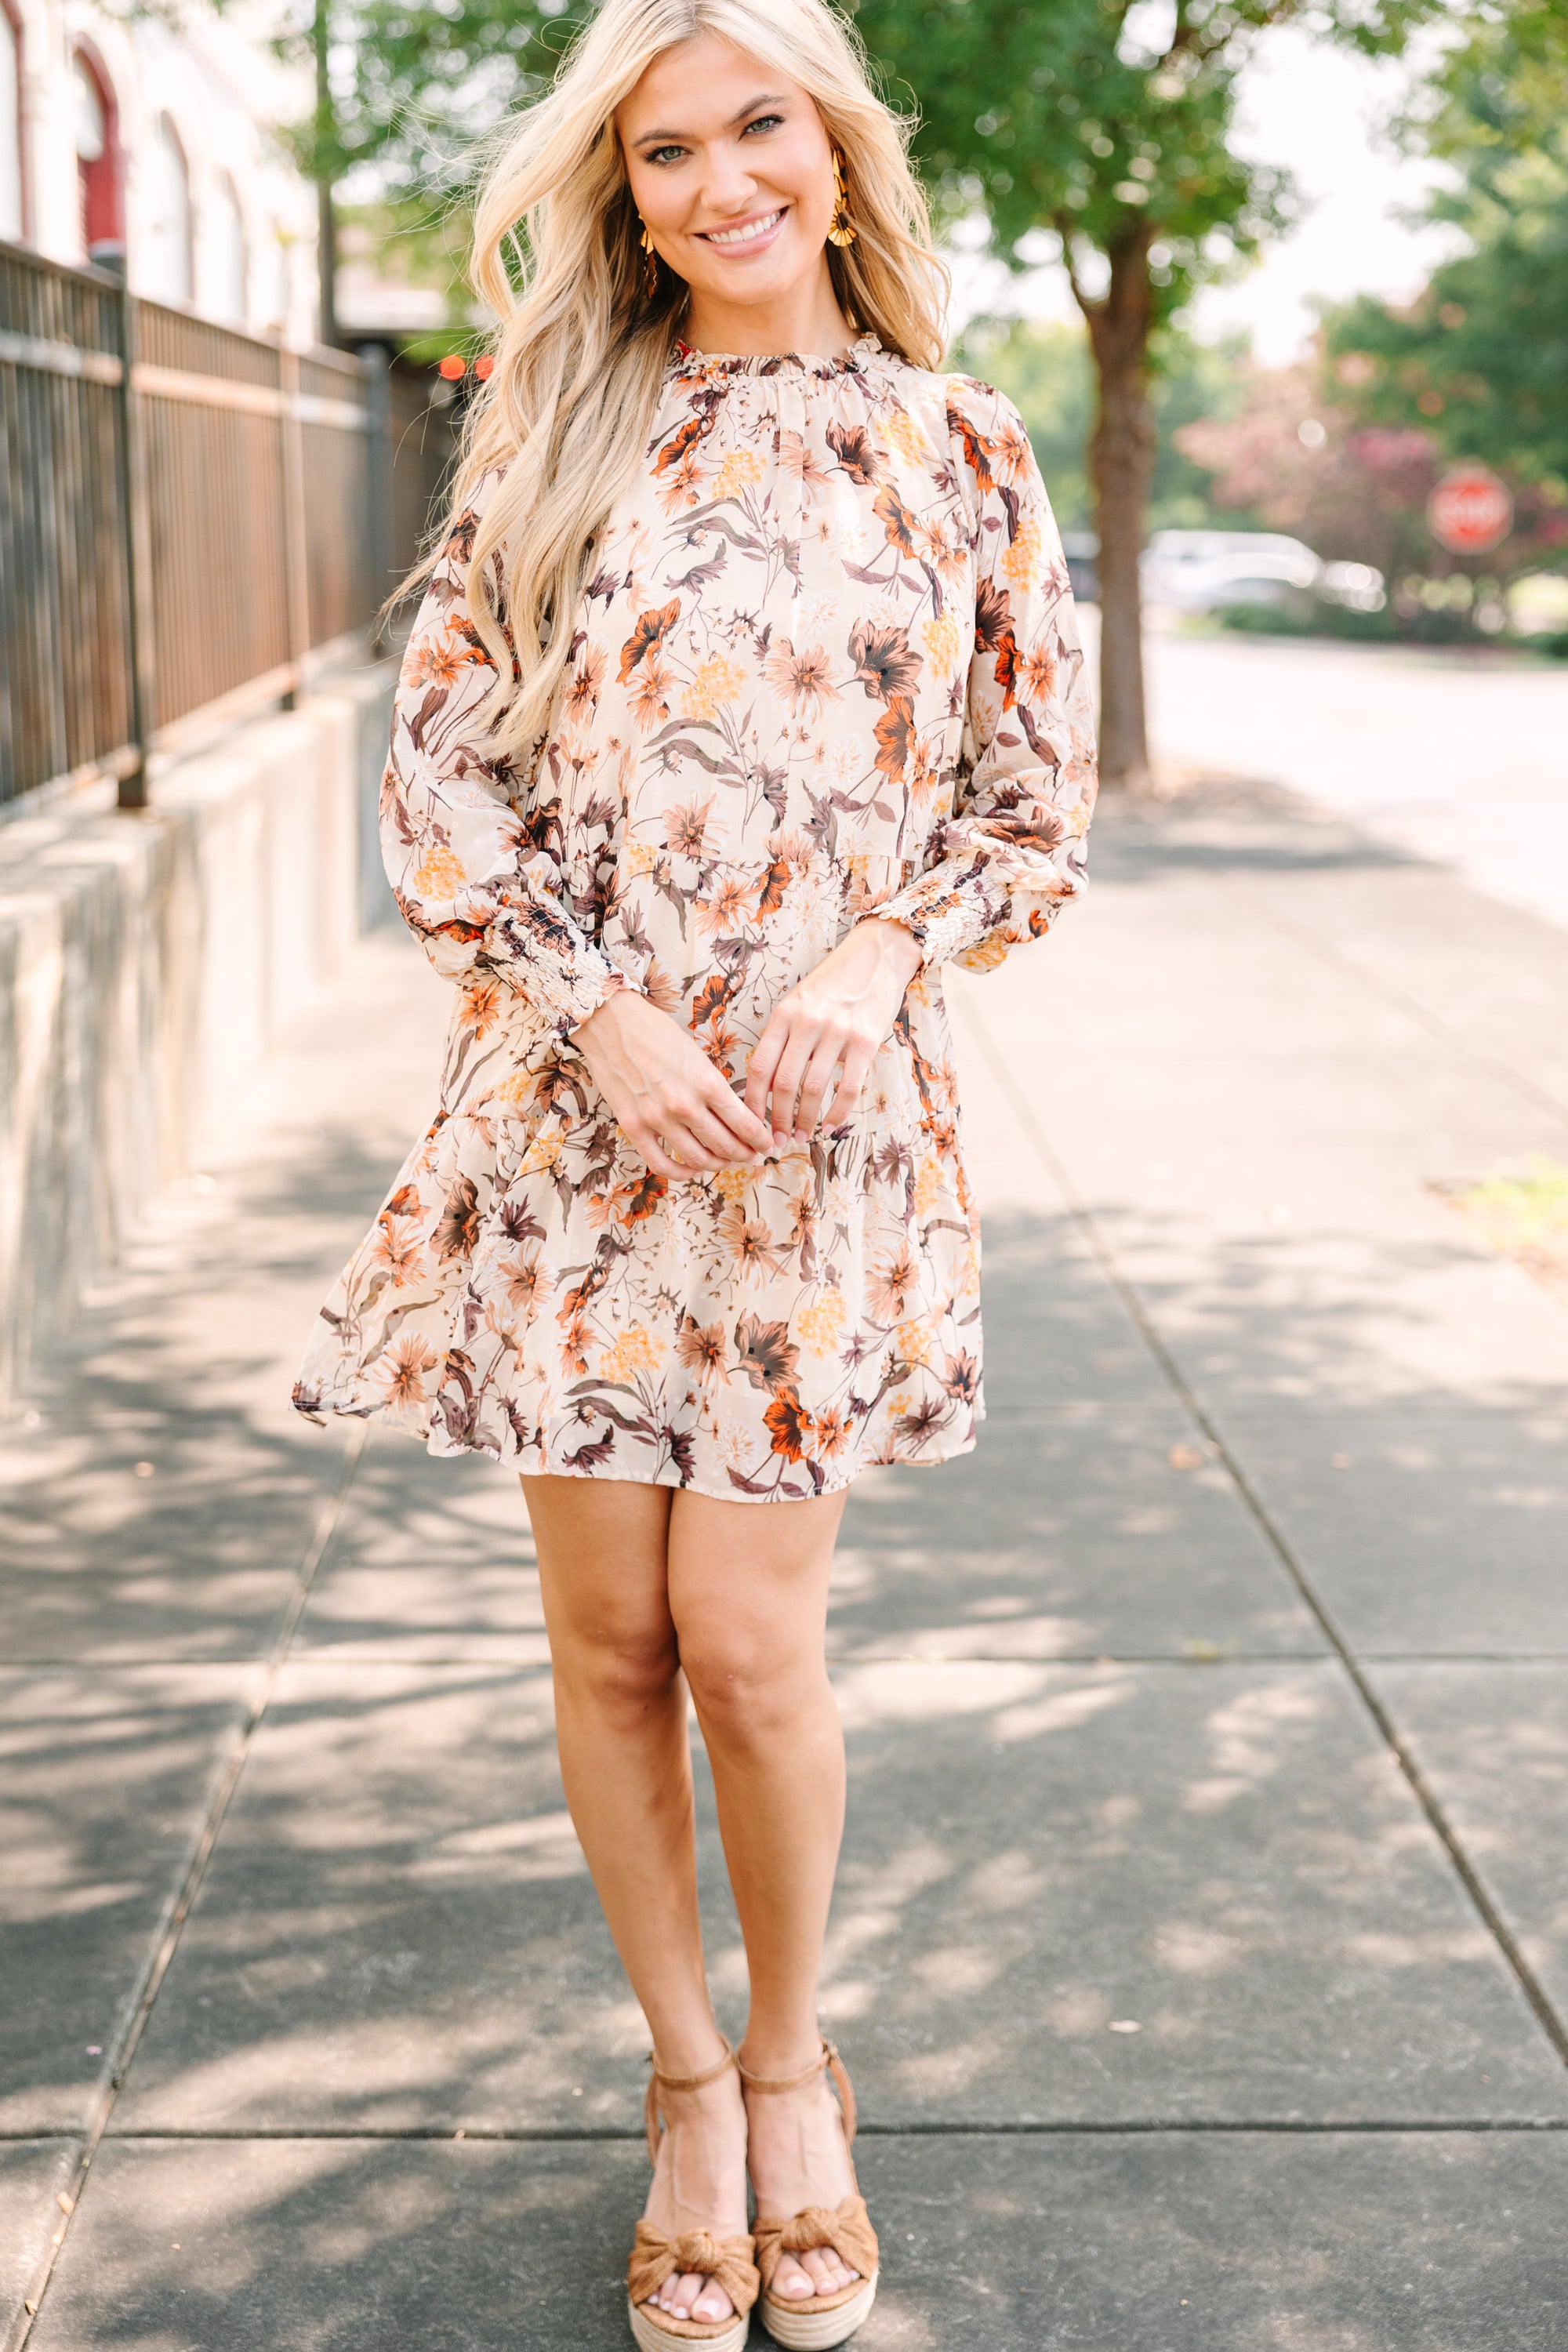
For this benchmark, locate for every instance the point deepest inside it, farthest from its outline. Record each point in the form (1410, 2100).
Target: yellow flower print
(440, 874)
(633, 1352)
(1022, 563)
(928, 1186)
(821, 1325)
(738, 469)
(543, 1152)
(915, 1343)
(942, 642)
(732, 1183)
(717, 682)
(899, 430)
(639, 857)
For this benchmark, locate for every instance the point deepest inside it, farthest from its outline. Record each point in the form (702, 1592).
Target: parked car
(1201, 571)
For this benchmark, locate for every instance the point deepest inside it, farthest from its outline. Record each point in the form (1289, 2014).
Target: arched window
(164, 264)
(12, 222)
(225, 229)
(99, 179)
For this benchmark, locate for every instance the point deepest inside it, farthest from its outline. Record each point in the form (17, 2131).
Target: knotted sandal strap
(846, 2229)
(659, 2081)
(828, 2057)
(727, 2261)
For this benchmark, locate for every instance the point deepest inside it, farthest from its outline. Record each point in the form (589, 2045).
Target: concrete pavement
(1201, 1949)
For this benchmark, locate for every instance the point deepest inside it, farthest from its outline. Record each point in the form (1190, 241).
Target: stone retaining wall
(147, 962)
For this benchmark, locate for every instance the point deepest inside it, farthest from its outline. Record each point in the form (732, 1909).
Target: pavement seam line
(1546, 2016)
(166, 1938)
(968, 2127)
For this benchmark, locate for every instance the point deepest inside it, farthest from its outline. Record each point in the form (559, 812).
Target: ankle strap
(659, 2081)
(827, 2056)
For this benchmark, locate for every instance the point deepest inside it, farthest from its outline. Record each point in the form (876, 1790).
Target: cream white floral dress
(825, 668)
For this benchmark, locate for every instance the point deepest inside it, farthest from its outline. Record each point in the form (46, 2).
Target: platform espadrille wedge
(817, 2323)
(655, 2258)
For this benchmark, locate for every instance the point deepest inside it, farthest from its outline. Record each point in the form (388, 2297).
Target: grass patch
(1524, 1218)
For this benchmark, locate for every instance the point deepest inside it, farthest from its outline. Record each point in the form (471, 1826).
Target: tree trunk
(1121, 465)
(327, 227)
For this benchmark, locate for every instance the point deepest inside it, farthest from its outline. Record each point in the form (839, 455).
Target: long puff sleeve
(1008, 856)
(474, 857)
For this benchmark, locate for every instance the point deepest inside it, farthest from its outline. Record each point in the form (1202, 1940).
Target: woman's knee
(624, 1667)
(748, 1688)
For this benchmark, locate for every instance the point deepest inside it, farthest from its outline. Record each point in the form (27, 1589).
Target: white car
(1197, 571)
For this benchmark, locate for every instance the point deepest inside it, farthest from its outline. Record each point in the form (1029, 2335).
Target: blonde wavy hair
(582, 346)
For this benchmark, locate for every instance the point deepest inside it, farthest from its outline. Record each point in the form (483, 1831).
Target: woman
(745, 694)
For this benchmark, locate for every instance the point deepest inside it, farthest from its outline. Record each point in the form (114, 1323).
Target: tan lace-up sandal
(655, 2257)
(813, 2323)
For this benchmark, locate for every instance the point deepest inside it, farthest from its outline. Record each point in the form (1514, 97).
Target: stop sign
(1470, 510)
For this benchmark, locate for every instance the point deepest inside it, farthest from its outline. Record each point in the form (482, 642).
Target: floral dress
(825, 668)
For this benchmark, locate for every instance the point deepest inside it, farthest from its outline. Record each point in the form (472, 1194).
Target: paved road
(1201, 1948)
(1459, 757)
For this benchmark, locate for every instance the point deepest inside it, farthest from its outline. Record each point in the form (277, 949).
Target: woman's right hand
(668, 1100)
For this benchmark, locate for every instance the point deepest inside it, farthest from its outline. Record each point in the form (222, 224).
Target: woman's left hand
(839, 1013)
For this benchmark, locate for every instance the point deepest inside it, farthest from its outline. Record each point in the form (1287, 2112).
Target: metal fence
(188, 513)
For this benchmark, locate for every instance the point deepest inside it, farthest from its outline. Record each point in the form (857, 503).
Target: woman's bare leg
(625, 1762)
(748, 1595)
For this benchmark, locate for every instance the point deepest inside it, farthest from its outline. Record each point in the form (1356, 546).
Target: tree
(1479, 361)
(1109, 125)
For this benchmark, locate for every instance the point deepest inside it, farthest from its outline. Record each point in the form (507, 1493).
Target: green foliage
(1069, 115)
(1481, 359)
(1046, 370)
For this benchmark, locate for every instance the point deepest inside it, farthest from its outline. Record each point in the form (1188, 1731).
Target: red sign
(1470, 511)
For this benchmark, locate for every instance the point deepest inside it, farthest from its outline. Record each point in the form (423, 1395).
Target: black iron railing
(187, 515)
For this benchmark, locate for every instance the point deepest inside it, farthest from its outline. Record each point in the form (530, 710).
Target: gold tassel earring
(650, 267)
(842, 230)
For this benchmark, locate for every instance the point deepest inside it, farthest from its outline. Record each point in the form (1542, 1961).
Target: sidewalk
(1202, 1944)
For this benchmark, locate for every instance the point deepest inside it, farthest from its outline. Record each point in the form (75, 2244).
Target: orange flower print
(650, 693)
(686, 828)
(896, 520)
(651, 630)
(894, 733)
(398, 1248)
(1038, 675)
(892, 1283)
(700, 1348)
(749, 1241)
(798, 459)
(581, 695)
(806, 679)
(729, 908)
(790, 1424)
(481, 1006)
(403, 1369)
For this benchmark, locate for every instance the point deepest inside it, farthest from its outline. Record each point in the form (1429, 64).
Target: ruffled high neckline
(703, 367)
